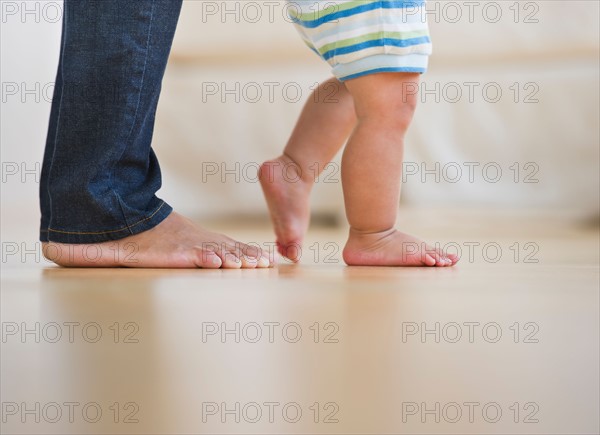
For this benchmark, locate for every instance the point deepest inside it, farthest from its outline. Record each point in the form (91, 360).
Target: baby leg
(324, 125)
(371, 175)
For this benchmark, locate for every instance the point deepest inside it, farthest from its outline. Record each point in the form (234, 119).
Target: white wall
(29, 47)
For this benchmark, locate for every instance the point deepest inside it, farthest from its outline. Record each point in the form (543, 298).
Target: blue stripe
(376, 43)
(383, 4)
(381, 19)
(406, 69)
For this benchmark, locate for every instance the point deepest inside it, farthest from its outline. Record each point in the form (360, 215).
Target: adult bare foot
(174, 243)
(392, 248)
(287, 193)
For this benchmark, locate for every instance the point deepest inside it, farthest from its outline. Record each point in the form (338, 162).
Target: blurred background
(508, 115)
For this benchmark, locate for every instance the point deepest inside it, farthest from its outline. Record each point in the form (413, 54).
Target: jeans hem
(85, 237)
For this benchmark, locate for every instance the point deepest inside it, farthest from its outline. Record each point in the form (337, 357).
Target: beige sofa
(533, 145)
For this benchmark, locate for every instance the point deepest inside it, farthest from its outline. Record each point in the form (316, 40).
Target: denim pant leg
(100, 174)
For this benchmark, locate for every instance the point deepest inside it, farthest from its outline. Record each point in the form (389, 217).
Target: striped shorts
(365, 37)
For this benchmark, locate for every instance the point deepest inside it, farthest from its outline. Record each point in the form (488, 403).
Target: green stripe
(332, 9)
(371, 37)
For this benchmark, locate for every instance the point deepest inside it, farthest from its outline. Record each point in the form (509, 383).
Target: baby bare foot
(392, 248)
(174, 243)
(287, 195)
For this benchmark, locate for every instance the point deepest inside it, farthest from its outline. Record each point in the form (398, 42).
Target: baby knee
(390, 115)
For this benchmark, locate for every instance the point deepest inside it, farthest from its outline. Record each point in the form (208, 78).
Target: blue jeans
(100, 175)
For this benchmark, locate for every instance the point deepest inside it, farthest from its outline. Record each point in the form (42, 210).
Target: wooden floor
(499, 344)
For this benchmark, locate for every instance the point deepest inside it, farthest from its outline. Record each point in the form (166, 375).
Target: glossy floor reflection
(495, 345)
